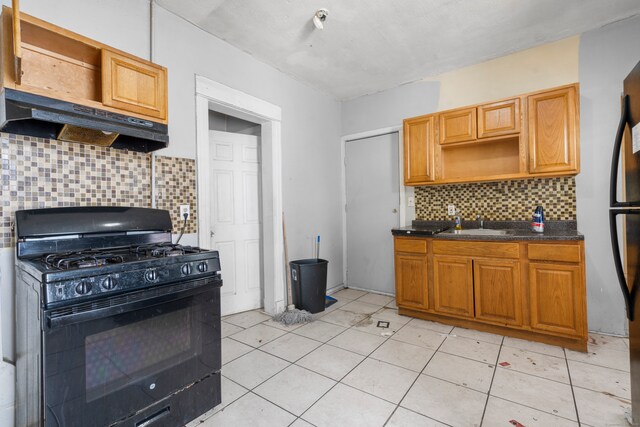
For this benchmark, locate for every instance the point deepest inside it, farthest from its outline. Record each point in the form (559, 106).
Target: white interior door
(373, 202)
(236, 230)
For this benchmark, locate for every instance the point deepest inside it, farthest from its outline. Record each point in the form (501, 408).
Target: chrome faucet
(480, 220)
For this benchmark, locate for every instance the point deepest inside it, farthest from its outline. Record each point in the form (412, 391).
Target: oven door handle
(123, 304)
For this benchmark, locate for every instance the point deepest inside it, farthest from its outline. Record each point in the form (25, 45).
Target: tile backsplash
(498, 201)
(43, 173)
(175, 186)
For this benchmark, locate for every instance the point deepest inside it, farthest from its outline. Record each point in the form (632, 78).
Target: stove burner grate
(161, 250)
(83, 259)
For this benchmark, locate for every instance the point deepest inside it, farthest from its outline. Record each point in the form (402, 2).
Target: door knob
(211, 234)
(395, 211)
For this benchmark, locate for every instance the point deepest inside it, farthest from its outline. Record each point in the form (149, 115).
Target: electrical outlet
(184, 209)
(451, 210)
(411, 201)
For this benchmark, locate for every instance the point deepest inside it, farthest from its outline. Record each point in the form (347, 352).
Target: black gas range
(76, 275)
(123, 325)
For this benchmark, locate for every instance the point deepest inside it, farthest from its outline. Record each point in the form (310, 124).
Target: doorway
(213, 96)
(372, 210)
(236, 218)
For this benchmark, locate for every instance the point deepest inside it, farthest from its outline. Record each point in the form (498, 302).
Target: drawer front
(553, 252)
(477, 249)
(415, 246)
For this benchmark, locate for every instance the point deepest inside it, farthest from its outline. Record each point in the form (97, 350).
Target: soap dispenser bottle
(458, 221)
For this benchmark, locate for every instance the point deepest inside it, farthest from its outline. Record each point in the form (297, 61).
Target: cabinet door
(131, 85)
(557, 298)
(553, 141)
(411, 280)
(458, 126)
(499, 118)
(419, 137)
(453, 285)
(497, 291)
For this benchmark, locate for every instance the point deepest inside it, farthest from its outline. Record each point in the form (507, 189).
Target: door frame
(343, 177)
(211, 95)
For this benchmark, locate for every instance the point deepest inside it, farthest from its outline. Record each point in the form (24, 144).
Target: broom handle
(286, 260)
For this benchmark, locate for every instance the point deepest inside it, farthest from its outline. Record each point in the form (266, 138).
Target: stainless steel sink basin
(479, 232)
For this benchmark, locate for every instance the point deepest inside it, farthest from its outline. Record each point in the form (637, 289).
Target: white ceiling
(371, 45)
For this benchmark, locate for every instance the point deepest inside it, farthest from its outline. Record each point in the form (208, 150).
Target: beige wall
(542, 67)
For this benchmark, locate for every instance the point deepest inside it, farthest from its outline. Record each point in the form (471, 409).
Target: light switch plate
(411, 201)
(451, 210)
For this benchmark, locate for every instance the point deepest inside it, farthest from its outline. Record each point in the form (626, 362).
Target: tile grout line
(495, 370)
(573, 394)
(225, 405)
(533, 375)
(369, 356)
(352, 369)
(414, 382)
(251, 390)
(534, 408)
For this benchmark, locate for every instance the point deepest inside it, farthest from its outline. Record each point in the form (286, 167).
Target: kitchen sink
(480, 232)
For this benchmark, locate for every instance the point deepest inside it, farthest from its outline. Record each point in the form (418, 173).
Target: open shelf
(500, 157)
(54, 62)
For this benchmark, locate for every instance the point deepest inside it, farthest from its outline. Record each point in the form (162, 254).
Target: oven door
(106, 360)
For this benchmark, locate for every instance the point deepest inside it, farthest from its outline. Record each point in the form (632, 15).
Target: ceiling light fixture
(319, 18)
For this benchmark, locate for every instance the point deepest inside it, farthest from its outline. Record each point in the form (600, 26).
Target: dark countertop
(554, 230)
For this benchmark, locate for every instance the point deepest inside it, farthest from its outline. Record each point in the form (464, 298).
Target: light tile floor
(342, 370)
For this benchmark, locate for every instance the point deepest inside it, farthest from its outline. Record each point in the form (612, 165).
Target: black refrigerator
(624, 220)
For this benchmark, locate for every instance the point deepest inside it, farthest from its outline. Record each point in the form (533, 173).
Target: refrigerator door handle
(629, 295)
(613, 182)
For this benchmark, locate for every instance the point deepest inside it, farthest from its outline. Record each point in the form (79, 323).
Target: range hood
(34, 115)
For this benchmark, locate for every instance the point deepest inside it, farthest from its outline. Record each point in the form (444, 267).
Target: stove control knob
(186, 269)
(109, 283)
(83, 288)
(202, 267)
(151, 275)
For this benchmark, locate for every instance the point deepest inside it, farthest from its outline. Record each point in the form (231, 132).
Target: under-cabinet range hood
(34, 115)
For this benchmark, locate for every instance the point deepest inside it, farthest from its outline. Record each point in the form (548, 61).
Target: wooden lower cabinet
(411, 280)
(453, 285)
(532, 291)
(498, 295)
(556, 302)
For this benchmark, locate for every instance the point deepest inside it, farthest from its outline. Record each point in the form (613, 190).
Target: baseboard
(370, 291)
(335, 289)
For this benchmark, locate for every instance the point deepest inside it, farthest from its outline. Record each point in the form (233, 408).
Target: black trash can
(309, 284)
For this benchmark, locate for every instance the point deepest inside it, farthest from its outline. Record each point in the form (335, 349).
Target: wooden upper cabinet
(453, 285)
(553, 131)
(43, 59)
(134, 85)
(499, 118)
(419, 137)
(497, 291)
(457, 126)
(529, 135)
(557, 298)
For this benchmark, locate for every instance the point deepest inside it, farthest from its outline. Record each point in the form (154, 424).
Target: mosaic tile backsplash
(500, 201)
(175, 186)
(42, 173)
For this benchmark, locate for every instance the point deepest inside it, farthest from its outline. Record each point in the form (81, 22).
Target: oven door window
(116, 358)
(109, 366)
